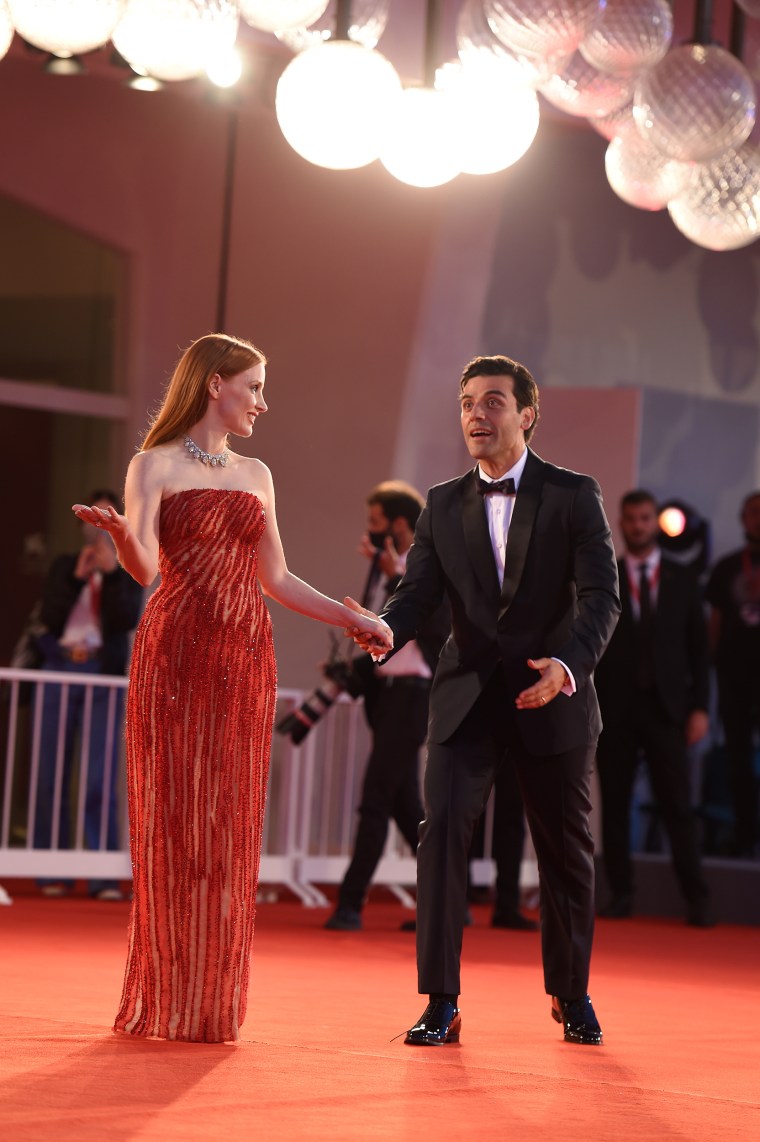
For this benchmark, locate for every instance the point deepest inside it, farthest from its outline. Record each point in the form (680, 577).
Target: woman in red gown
(202, 692)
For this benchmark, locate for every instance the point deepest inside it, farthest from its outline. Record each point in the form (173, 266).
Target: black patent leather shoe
(439, 1023)
(344, 920)
(579, 1020)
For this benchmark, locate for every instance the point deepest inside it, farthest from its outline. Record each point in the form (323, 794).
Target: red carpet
(680, 1010)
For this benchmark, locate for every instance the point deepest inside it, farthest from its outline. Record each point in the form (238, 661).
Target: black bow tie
(506, 487)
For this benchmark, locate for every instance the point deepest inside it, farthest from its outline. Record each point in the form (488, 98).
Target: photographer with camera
(395, 701)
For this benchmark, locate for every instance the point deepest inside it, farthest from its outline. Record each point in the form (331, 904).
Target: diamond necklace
(214, 459)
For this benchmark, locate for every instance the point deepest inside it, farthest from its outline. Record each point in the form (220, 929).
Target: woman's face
(241, 400)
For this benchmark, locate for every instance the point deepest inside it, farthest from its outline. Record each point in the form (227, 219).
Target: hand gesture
(368, 631)
(553, 678)
(106, 518)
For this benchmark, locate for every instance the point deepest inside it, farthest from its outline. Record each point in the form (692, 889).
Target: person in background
(396, 696)
(733, 592)
(653, 687)
(89, 606)
(508, 842)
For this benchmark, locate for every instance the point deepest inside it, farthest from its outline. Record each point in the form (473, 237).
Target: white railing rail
(313, 792)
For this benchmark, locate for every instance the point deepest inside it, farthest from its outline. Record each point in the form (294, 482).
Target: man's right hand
(375, 637)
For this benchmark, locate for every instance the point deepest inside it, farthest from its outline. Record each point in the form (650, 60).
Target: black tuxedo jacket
(681, 656)
(558, 599)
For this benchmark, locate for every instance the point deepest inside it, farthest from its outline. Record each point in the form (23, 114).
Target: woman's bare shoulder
(153, 465)
(254, 469)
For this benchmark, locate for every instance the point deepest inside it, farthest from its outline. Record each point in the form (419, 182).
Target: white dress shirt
(499, 508)
(82, 626)
(409, 661)
(632, 567)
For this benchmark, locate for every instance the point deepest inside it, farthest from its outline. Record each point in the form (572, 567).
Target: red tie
(96, 587)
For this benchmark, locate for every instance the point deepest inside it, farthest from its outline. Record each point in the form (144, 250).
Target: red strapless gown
(200, 708)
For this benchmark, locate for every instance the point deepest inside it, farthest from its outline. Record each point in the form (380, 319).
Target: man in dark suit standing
(523, 551)
(652, 684)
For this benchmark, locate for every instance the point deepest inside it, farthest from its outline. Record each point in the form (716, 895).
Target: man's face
(640, 527)
(378, 525)
(751, 520)
(493, 426)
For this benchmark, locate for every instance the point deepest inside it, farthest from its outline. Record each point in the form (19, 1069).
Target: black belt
(403, 680)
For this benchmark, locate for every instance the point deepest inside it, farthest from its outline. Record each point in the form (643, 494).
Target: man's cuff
(569, 688)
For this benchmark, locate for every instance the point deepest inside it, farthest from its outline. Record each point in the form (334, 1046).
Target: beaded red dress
(200, 707)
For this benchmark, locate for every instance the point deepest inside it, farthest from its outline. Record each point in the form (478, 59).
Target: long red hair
(186, 396)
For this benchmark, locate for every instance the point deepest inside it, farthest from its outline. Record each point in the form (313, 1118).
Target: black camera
(341, 675)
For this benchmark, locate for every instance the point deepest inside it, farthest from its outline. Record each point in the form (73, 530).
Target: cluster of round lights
(677, 120)
(341, 105)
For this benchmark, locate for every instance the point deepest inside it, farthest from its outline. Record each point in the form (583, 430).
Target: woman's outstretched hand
(106, 518)
(369, 632)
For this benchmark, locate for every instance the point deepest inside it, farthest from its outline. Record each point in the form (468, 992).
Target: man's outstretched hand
(553, 679)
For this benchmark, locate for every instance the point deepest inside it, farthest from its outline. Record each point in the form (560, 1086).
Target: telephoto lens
(297, 725)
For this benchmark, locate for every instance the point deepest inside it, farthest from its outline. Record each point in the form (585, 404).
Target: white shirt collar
(515, 472)
(652, 561)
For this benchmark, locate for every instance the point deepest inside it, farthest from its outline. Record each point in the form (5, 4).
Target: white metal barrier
(314, 789)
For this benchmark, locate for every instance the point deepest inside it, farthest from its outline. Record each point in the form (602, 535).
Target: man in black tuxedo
(544, 603)
(653, 685)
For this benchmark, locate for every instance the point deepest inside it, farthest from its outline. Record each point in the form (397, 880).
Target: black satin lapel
(477, 538)
(625, 590)
(521, 528)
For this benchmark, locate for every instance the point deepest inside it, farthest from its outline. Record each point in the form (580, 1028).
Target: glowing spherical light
(629, 35)
(697, 103)
(495, 118)
(641, 175)
(720, 207)
(6, 29)
(367, 24)
(478, 46)
(225, 69)
(175, 39)
(333, 102)
(672, 521)
(618, 122)
(579, 89)
(418, 148)
(66, 27)
(276, 15)
(542, 26)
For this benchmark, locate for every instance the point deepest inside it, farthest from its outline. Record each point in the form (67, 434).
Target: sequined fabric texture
(200, 707)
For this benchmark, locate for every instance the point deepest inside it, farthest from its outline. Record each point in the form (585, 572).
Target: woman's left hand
(369, 632)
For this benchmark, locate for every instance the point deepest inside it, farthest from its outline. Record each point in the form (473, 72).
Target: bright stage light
(672, 521)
